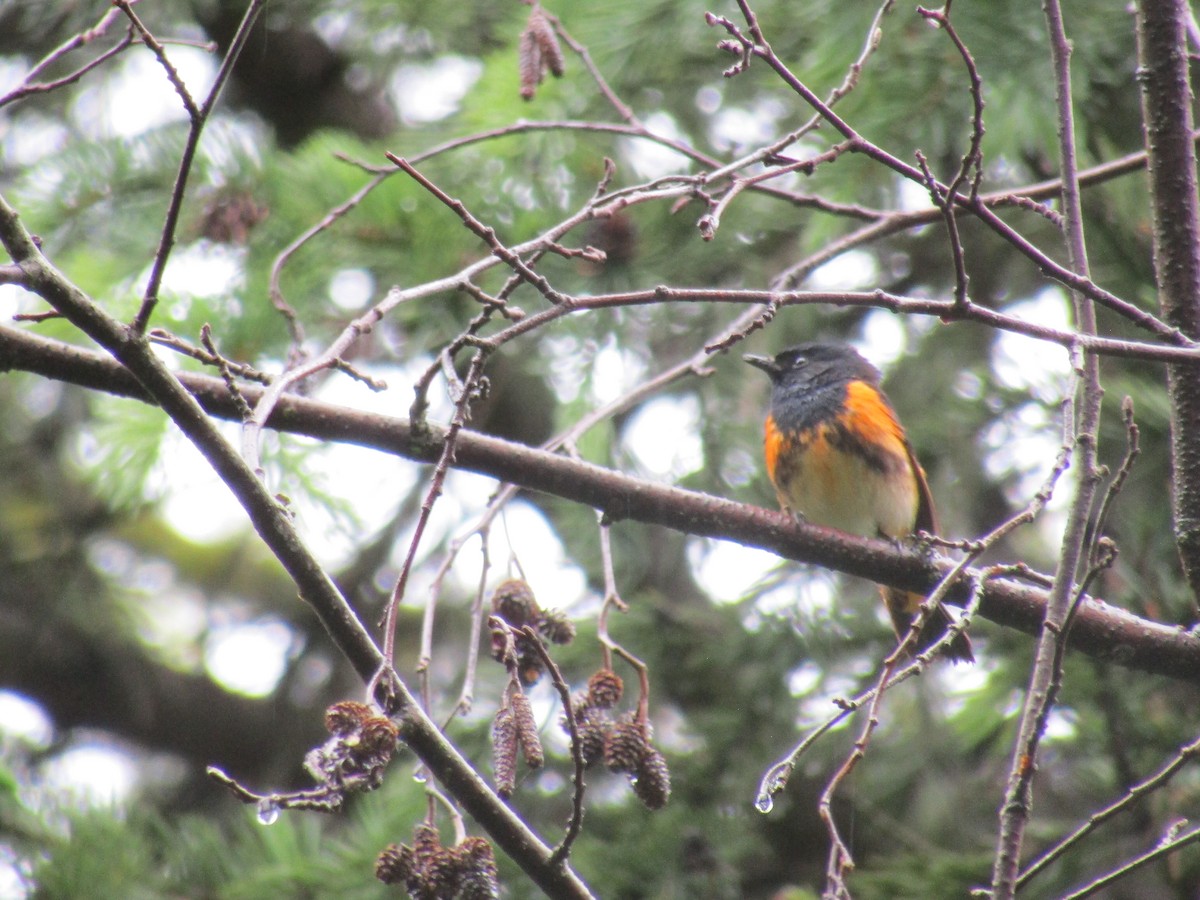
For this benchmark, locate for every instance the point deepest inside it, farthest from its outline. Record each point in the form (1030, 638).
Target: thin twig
(179, 345)
(612, 600)
(1017, 602)
(160, 53)
(957, 254)
(29, 86)
(1175, 838)
(462, 411)
(1148, 785)
(484, 232)
(767, 299)
(575, 823)
(1047, 674)
(467, 694)
(840, 861)
(274, 289)
(326, 798)
(225, 369)
(972, 160)
(1075, 280)
(1132, 451)
(199, 118)
(623, 109)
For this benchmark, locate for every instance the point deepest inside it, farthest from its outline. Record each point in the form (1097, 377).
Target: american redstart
(839, 457)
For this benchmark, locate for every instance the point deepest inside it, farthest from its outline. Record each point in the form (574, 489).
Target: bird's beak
(766, 363)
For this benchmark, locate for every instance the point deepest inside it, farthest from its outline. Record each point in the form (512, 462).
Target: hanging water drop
(772, 783)
(268, 811)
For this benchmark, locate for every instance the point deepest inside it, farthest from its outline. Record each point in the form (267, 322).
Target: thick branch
(1100, 630)
(1167, 109)
(146, 374)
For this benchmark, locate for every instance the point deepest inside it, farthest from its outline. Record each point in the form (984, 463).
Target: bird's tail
(904, 606)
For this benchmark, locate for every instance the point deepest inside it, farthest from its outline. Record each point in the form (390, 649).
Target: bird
(838, 456)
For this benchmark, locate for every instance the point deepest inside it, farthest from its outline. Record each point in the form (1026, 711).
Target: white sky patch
(803, 679)
(202, 269)
(709, 99)
(16, 875)
(520, 535)
(1061, 725)
(814, 593)
(96, 772)
(735, 127)
(849, 271)
(196, 502)
(1026, 440)
(333, 26)
(555, 579)
(959, 684)
(200, 506)
(350, 289)
(912, 197)
(727, 570)
(1022, 443)
(1020, 448)
(884, 339)
(249, 657)
(370, 482)
(433, 91)
(35, 139)
(566, 365)
(1024, 363)
(613, 373)
(12, 71)
(15, 299)
(173, 620)
(968, 385)
(141, 97)
(653, 160)
(24, 720)
(664, 437)
(738, 128)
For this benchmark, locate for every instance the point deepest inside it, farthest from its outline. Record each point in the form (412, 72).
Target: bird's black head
(816, 364)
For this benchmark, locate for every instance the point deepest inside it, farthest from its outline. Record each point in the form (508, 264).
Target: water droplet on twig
(268, 811)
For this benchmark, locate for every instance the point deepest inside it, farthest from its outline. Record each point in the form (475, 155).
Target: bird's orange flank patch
(869, 418)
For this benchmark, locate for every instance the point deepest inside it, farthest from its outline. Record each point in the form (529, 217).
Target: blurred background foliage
(128, 589)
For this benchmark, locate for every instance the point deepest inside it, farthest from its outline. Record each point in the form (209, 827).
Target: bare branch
(1165, 79)
(858, 144)
(1176, 837)
(462, 408)
(139, 362)
(1046, 677)
(1135, 793)
(199, 118)
(1103, 631)
(30, 86)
